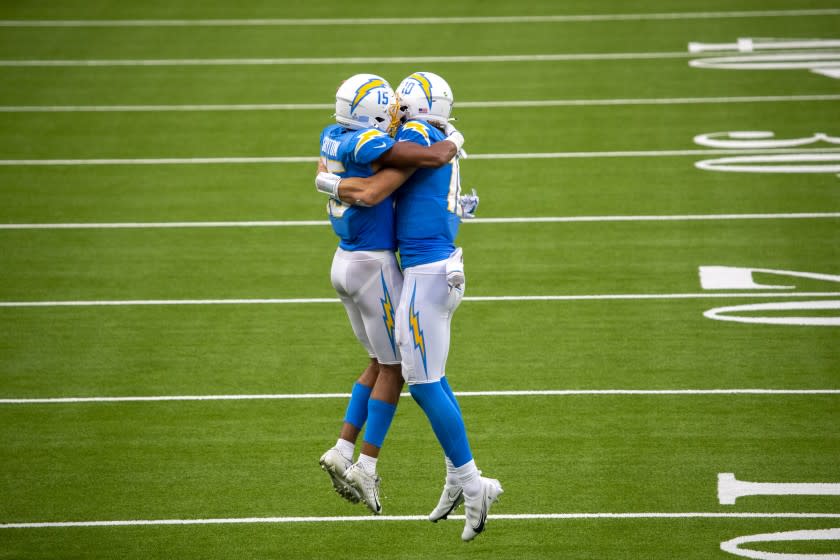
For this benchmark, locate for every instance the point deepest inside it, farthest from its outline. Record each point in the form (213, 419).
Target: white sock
(368, 463)
(451, 475)
(470, 479)
(346, 448)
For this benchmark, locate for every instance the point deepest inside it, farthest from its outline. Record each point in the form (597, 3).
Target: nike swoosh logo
(455, 498)
(483, 517)
(382, 145)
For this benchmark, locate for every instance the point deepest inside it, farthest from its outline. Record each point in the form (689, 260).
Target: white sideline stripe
(152, 225)
(164, 161)
(412, 21)
(307, 396)
(513, 220)
(704, 295)
(312, 159)
(461, 104)
(424, 518)
(559, 57)
(644, 153)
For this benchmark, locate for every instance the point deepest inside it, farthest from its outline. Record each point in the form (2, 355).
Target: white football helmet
(426, 96)
(366, 101)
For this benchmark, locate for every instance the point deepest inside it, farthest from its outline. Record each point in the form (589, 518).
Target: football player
(365, 273)
(428, 210)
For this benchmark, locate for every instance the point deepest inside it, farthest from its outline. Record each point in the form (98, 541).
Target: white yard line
(509, 220)
(166, 161)
(535, 393)
(460, 105)
(279, 301)
(449, 59)
(313, 159)
(254, 22)
(422, 518)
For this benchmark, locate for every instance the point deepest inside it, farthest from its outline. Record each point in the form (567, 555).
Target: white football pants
(369, 284)
(424, 317)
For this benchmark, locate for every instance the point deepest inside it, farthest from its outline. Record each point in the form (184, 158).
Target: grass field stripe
(461, 104)
(509, 220)
(542, 393)
(646, 153)
(702, 295)
(169, 161)
(167, 225)
(560, 18)
(653, 218)
(313, 159)
(557, 57)
(422, 518)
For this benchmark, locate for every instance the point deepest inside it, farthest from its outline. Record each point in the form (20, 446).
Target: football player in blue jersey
(428, 210)
(365, 273)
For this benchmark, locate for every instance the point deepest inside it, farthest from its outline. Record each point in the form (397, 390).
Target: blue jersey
(427, 204)
(350, 153)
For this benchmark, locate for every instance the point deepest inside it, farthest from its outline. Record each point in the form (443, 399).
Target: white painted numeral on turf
(774, 163)
(757, 139)
(728, 313)
(813, 162)
(808, 56)
(730, 489)
(734, 546)
(741, 278)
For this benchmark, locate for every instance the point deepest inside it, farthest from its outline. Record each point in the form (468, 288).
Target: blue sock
(445, 384)
(380, 414)
(445, 419)
(357, 408)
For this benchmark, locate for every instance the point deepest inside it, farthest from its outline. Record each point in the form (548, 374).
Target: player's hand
(327, 183)
(469, 204)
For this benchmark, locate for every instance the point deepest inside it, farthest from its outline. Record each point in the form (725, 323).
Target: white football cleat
(451, 497)
(476, 509)
(335, 464)
(365, 485)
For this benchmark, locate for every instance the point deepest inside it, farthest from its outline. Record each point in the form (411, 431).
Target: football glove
(327, 183)
(469, 204)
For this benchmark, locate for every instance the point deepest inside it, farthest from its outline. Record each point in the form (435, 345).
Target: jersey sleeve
(414, 131)
(370, 145)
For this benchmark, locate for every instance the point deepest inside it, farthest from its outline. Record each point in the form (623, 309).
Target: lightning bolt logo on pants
(388, 313)
(416, 331)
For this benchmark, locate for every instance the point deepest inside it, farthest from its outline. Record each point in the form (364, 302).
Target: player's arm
(411, 154)
(367, 191)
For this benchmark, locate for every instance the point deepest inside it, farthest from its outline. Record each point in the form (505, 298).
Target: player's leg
(452, 495)
(377, 301)
(382, 407)
(424, 333)
(336, 460)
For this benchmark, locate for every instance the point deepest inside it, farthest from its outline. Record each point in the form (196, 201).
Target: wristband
(327, 183)
(456, 138)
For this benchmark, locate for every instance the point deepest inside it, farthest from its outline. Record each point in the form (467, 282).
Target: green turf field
(160, 238)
